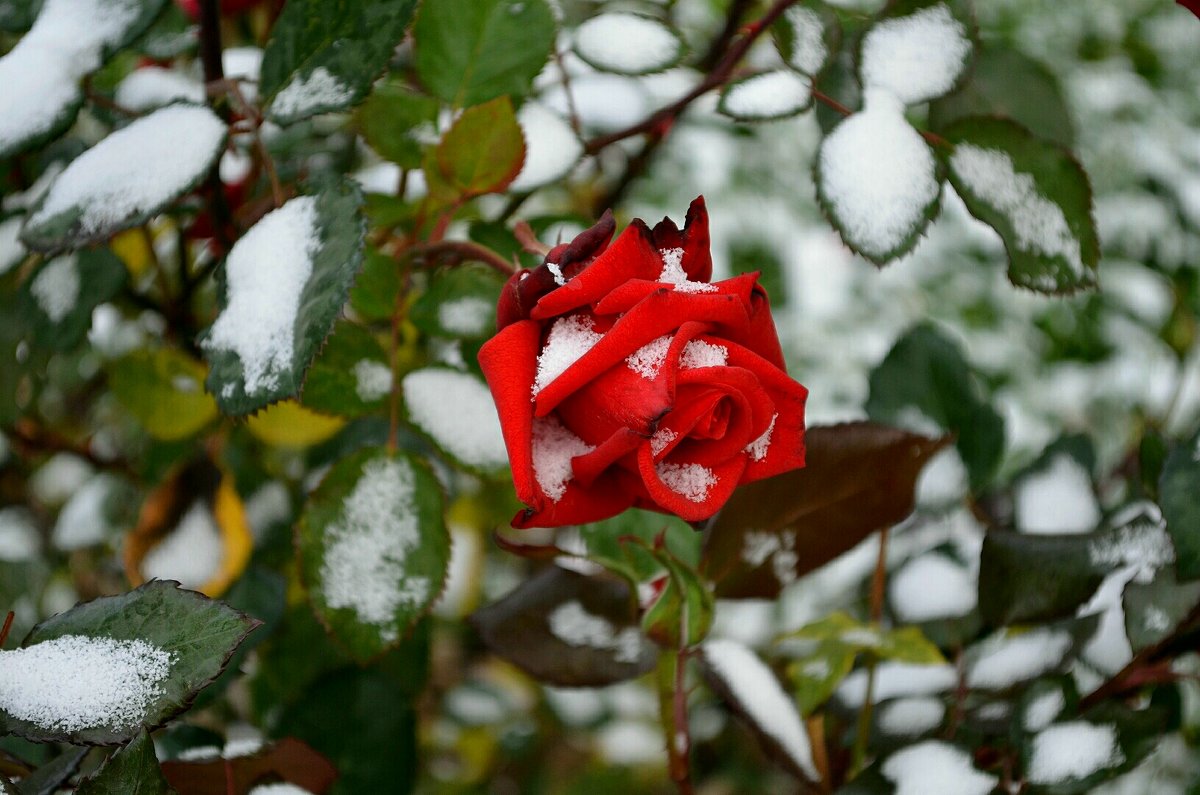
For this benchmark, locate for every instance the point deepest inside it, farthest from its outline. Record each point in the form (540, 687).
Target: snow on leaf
(127, 177)
(1059, 499)
(1004, 660)
(1073, 751)
(766, 96)
(154, 86)
(551, 147)
(457, 412)
(305, 95)
(807, 50)
(935, 768)
(916, 57)
(931, 587)
(878, 179)
(626, 43)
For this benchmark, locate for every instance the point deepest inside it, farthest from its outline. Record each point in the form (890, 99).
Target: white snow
(191, 553)
(11, 249)
(83, 522)
(661, 439)
(18, 536)
(1042, 711)
(1073, 751)
(1108, 649)
(944, 480)
(457, 411)
(59, 478)
(469, 315)
(551, 147)
(153, 86)
(909, 717)
(932, 587)
(935, 768)
(878, 176)
(372, 380)
(1144, 546)
(673, 273)
(758, 448)
(648, 360)
(1039, 224)
(553, 448)
(808, 45)
(137, 169)
(770, 95)
(1004, 660)
(1058, 499)
(630, 742)
(304, 94)
(698, 353)
(691, 481)
(279, 788)
(56, 287)
(627, 43)
(367, 548)
(570, 338)
(916, 57)
(571, 623)
(894, 679)
(265, 275)
(780, 548)
(762, 699)
(73, 683)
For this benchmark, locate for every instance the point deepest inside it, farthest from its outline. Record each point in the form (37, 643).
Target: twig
(8, 622)
(210, 57)
(878, 586)
(733, 18)
(457, 251)
(672, 705)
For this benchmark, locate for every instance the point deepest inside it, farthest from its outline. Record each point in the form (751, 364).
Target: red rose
(624, 379)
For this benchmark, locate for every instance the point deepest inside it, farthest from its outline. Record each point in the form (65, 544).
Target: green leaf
(628, 44)
(364, 722)
(816, 677)
(460, 303)
(1180, 500)
(470, 51)
(132, 770)
(58, 299)
(1155, 609)
(484, 150)
(351, 376)
(568, 629)
(31, 118)
(858, 478)
(373, 549)
(925, 382)
(339, 230)
(608, 543)
(1035, 195)
(164, 390)
(99, 194)
(323, 55)
(390, 119)
(52, 776)
(456, 412)
(1008, 83)
(839, 632)
(682, 613)
(198, 633)
(373, 296)
(806, 36)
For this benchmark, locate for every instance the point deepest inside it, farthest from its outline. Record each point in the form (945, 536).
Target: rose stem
(878, 585)
(214, 73)
(8, 622)
(672, 707)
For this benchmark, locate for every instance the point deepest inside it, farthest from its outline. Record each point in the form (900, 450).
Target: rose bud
(623, 378)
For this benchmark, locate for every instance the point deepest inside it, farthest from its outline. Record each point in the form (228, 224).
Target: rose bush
(624, 378)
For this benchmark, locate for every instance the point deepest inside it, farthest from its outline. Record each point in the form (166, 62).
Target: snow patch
(191, 553)
(372, 380)
(626, 43)
(757, 449)
(1058, 499)
(698, 353)
(18, 536)
(553, 448)
(894, 679)
(647, 361)
(916, 57)
(770, 95)
(1042, 711)
(56, 287)
(153, 86)
(12, 251)
(808, 45)
(575, 626)
(570, 338)
(551, 147)
(1073, 751)
(936, 768)
(1004, 660)
(932, 587)
(690, 481)
(468, 316)
(302, 95)
(457, 411)
(909, 717)
(673, 273)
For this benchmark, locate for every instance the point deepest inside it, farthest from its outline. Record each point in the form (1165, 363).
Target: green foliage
(130, 770)
(1181, 505)
(351, 376)
(164, 391)
(484, 151)
(391, 118)
(57, 317)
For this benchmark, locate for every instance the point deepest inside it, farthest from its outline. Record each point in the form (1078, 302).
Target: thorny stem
(672, 703)
(878, 585)
(210, 57)
(8, 622)
(457, 251)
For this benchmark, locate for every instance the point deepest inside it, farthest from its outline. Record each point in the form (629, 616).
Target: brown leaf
(287, 760)
(860, 477)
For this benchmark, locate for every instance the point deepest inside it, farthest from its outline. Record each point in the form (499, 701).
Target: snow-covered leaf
(925, 384)
(484, 151)
(130, 769)
(551, 147)
(164, 390)
(766, 96)
(857, 478)
(750, 688)
(456, 411)
(154, 86)
(1006, 82)
(392, 118)
(470, 51)
(288, 759)
(323, 55)
(568, 629)
(127, 178)
(69, 40)
(877, 180)
(351, 376)
(105, 669)
(1035, 195)
(59, 298)
(52, 776)
(1154, 610)
(285, 283)
(460, 303)
(916, 51)
(933, 767)
(1010, 657)
(807, 35)
(373, 549)
(629, 44)
(1180, 500)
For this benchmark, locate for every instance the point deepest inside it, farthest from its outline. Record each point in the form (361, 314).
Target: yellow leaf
(288, 424)
(133, 247)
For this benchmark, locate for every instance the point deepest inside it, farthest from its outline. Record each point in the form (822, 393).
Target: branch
(210, 56)
(458, 251)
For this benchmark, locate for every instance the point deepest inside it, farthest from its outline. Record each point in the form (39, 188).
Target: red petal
(631, 256)
(509, 363)
(727, 475)
(610, 494)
